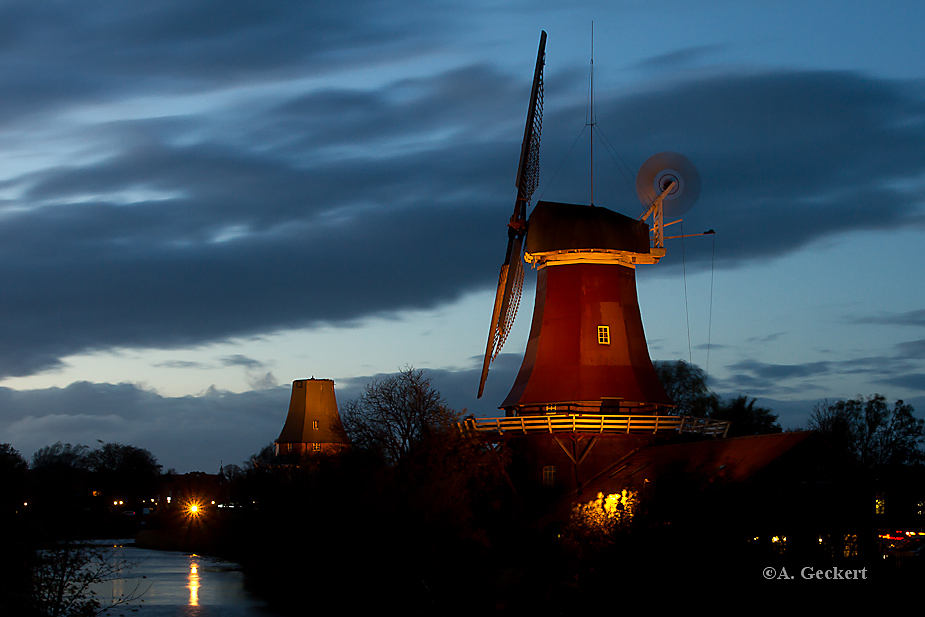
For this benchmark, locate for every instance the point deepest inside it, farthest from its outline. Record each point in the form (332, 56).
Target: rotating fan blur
(657, 174)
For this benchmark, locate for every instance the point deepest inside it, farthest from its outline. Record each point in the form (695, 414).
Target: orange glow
(193, 585)
(193, 509)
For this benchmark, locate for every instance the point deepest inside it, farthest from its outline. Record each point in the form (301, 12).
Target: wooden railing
(594, 423)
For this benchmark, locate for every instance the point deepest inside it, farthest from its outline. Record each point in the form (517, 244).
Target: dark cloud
(335, 204)
(241, 360)
(781, 371)
(199, 432)
(908, 318)
(756, 378)
(901, 367)
(55, 53)
(914, 350)
(680, 58)
(189, 433)
(911, 381)
(183, 364)
(785, 158)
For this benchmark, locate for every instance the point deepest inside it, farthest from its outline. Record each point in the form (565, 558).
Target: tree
(65, 577)
(127, 470)
(11, 459)
(397, 413)
(869, 431)
(686, 386)
(746, 418)
(12, 478)
(118, 458)
(61, 456)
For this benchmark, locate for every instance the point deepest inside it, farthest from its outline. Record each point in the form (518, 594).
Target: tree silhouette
(397, 413)
(746, 417)
(867, 429)
(686, 386)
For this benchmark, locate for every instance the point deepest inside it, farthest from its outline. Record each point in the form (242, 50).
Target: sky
(202, 201)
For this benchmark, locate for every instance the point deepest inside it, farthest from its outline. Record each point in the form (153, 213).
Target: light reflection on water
(193, 582)
(173, 583)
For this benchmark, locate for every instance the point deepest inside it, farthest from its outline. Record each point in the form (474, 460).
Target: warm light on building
(606, 511)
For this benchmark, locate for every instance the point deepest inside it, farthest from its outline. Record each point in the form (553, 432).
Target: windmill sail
(510, 280)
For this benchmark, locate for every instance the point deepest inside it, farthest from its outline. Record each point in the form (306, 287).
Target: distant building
(313, 424)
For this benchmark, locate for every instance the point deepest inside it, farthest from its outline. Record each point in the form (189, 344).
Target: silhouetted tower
(313, 424)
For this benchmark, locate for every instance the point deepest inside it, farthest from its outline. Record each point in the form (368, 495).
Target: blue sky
(202, 201)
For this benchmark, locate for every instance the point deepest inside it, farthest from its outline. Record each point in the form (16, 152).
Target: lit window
(549, 475)
(851, 546)
(316, 446)
(550, 408)
(315, 424)
(603, 335)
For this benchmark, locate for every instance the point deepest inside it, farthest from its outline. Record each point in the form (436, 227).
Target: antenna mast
(591, 119)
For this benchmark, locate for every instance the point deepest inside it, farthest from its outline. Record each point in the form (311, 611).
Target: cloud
(334, 203)
(679, 58)
(908, 318)
(241, 360)
(199, 432)
(56, 54)
(911, 381)
(786, 158)
(189, 433)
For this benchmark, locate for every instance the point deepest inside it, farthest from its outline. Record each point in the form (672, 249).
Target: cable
(608, 147)
(543, 192)
(687, 313)
(710, 327)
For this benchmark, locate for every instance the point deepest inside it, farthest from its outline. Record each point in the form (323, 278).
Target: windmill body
(313, 424)
(587, 350)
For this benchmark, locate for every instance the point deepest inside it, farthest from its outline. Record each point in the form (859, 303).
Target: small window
(315, 424)
(550, 408)
(316, 447)
(603, 335)
(549, 475)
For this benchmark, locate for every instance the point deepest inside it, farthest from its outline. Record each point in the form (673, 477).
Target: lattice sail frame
(510, 284)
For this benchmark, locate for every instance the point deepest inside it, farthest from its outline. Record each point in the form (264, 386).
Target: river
(174, 583)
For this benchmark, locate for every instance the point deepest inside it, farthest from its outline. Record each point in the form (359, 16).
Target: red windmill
(587, 350)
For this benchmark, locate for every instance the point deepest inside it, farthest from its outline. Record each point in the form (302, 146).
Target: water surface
(174, 583)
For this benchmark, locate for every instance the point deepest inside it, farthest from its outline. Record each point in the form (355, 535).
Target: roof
(557, 227)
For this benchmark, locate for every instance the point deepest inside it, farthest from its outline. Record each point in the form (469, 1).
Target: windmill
(586, 351)
(313, 423)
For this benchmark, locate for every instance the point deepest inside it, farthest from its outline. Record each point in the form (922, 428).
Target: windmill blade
(507, 301)
(493, 328)
(528, 169)
(511, 278)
